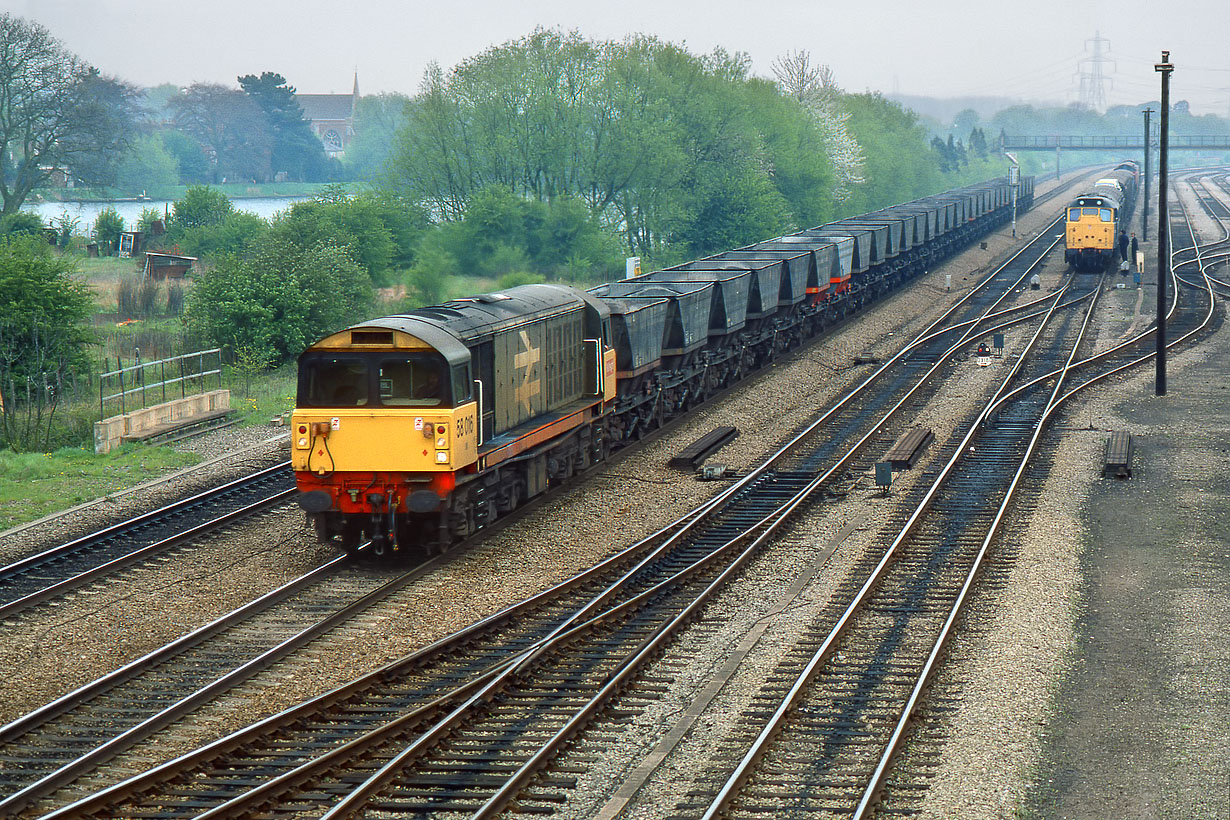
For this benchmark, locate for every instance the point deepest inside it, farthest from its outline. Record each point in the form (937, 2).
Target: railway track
(813, 755)
(62, 569)
(412, 688)
(506, 652)
(69, 737)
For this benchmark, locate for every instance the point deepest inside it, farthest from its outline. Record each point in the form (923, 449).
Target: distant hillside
(944, 109)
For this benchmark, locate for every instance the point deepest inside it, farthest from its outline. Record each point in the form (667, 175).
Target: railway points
(612, 726)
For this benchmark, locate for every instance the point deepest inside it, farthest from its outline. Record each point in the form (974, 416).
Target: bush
(512, 280)
(201, 206)
(375, 231)
(145, 222)
(22, 223)
(43, 336)
(126, 301)
(278, 298)
(107, 229)
(237, 232)
(66, 226)
(175, 299)
(147, 296)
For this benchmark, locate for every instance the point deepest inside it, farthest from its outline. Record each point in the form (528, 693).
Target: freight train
(1097, 217)
(415, 431)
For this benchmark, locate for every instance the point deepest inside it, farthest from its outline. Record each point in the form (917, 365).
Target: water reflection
(130, 210)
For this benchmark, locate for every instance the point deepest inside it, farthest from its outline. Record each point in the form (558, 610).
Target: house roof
(326, 106)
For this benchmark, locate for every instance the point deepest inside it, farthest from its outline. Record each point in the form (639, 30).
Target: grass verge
(35, 484)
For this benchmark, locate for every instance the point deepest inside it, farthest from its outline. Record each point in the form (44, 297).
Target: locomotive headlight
(442, 458)
(303, 442)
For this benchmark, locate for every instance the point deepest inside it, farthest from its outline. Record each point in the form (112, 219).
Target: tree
(191, 157)
(56, 113)
(895, 147)
(147, 168)
(816, 89)
(108, 226)
(230, 127)
(44, 312)
(978, 143)
(655, 141)
(294, 149)
(278, 298)
(377, 121)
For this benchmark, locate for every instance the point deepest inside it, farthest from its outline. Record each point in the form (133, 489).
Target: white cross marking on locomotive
(525, 362)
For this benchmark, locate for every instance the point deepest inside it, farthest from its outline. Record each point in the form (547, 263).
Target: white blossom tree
(816, 89)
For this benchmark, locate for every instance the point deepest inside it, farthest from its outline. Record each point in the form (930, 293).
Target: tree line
(549, 157)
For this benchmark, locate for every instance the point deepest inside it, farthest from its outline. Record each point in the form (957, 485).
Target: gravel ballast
(1028, 656)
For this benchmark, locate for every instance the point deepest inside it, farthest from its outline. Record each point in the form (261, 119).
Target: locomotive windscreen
(384, 379)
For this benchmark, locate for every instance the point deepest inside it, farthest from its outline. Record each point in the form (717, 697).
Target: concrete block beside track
(111, 432)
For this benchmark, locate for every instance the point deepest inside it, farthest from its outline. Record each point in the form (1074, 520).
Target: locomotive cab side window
(463, 385)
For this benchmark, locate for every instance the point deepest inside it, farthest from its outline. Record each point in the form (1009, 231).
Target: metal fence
(139, 378)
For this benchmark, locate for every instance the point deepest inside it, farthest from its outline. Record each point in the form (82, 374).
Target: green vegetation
(35, 484)
(673, 153)
(108, 226)
(258, 393)
(274, 301)
(56, 112)
(546, 158)
(43, 334)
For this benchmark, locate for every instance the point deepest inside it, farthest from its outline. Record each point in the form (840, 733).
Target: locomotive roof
(448, 326)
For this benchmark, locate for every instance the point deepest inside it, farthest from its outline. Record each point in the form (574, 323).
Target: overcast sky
(1025, 50)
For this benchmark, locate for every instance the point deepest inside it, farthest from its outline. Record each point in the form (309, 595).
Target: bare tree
(816, 89)
(56, 112)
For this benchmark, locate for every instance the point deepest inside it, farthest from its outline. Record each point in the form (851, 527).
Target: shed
(159, 266)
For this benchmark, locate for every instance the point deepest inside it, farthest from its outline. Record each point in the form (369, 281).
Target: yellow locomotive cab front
(390, 439)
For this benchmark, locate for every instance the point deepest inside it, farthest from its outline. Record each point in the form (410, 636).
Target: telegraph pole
(1163, 229)
(1144, 229)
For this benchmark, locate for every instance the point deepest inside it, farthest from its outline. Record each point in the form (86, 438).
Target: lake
(130, 210)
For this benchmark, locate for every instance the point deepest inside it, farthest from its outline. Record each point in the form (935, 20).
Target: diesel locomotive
(1096, 218)
(414, 431)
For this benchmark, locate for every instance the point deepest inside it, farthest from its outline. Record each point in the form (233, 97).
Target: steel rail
(11, 608)
(1058, 397)
(102, 570)
(686, 521)
(872, 789)
(360, 796)
(773, 726)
